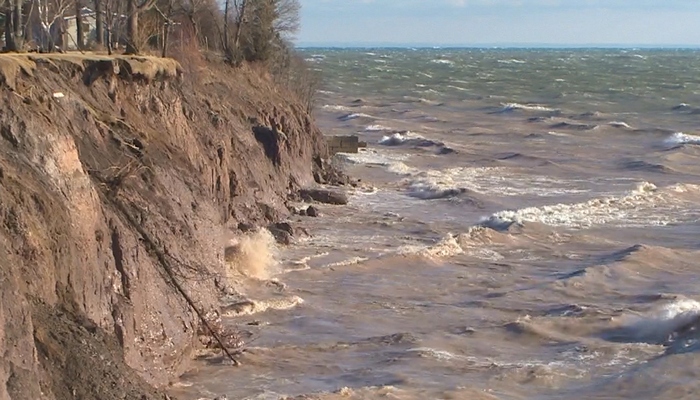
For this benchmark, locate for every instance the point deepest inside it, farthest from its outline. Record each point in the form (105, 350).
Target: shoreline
(146, 182)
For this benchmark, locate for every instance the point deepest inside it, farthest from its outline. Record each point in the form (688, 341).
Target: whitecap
(512, 61)
(335, 107)
(428, 189)
(661, 324)
(682, 138)
(372, 157)
(442, 61)
(377, 128)
(250, 307)
(352, 116)
(620, 124)
(527, 107)
(645, 206)
(347, 262)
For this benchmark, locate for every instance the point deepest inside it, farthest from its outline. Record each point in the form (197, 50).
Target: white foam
(620, 124)
(428, 189)
(461, 89)
(512, 61)
(682, 138)
(399, 138)
(442, 61)
(335, 107)
(377, 128)
(372, 157)
(659, 325)
(434, 353)
(344, 263)
(527, 107)
(400, 168)
(643, 206)
(258, 306)
(355, 116)
(450, 246)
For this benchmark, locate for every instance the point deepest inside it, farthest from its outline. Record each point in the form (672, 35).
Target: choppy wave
(643, 206)
(641, 165)
(620, 124)
(427, 189)
(372, 157)
(250, 307)
(682, 138)
(352, 116)
(377, 128)
(508, 107)
(512, 61)
(661, 325)
(442, 61)
(347, 262)
(574, 126)
(335, 107)
(408, 138)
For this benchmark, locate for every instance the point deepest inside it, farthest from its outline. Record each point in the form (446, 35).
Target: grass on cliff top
(145, 67)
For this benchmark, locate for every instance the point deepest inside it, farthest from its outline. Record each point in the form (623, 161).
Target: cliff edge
(119, 177)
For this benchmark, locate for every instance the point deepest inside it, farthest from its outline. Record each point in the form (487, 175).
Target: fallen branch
(161, 256)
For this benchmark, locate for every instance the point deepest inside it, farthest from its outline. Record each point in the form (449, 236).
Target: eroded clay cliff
(118, 180)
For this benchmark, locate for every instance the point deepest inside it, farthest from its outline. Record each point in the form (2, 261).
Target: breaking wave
(574, 126)
(253, 255)
(377, 128)
(335, 107)
(442, 61)
(427, 189)
(620, 124)
(250, 307)
(643, 206)
(349, 117)
(682, 138)
(408, 138)
(509, 107)
(661, 325)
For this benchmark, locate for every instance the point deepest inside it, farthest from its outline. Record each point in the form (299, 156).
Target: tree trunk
(99, 23)
(17, 25)
(239, 23)
(225, 39)
(9, 30)
(195, 27)
(80, 39)
(166, 28)
(133, 9)
(132, 27)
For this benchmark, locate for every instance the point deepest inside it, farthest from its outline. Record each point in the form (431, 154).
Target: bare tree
(287, 21)
(99, 23)
(191, 9)
(133, 9)
(14, 30)
(80, 39)
(225, 39)
(51, 12)
(111, 10)
(18, 26)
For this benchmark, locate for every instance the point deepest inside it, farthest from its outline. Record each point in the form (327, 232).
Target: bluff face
(118, 180)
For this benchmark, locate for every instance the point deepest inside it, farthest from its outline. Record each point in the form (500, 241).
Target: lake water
(527, 226)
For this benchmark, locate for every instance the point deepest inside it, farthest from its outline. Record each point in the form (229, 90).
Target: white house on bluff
(65, 32)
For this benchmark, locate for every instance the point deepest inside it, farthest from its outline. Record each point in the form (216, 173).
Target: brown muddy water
(527, 227)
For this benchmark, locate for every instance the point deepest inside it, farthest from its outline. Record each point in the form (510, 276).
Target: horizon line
(361, 45)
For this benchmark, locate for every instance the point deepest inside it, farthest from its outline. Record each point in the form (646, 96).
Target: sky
(657, 23)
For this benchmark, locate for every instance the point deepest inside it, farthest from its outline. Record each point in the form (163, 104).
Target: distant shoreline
(506, 46)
